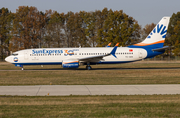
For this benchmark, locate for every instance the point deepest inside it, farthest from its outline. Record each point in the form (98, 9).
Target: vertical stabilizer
(157, 35)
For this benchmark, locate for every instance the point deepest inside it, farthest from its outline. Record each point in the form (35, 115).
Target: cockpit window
(15, 54)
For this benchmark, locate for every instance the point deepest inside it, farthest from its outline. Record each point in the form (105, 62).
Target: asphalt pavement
(66, 90)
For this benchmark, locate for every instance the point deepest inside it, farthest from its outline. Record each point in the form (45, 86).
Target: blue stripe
(40, 63)
(116, 62)
(149, 48)
(60, 63)
(112, 62)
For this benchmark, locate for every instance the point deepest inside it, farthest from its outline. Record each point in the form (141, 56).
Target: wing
(99, 57)
(93, 58)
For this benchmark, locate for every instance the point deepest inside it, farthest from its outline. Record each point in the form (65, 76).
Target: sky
(144, 11)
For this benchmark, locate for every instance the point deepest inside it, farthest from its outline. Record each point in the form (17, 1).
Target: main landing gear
(21, 67)
(88, 67)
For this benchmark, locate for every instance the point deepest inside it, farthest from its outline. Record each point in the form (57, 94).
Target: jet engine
(70, 64)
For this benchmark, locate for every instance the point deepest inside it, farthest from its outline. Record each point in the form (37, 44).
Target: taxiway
(66, 90)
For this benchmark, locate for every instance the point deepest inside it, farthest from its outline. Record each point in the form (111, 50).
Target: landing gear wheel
(88, 68)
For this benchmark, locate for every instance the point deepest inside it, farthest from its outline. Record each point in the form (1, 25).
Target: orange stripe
(69, 62)
(144, 44)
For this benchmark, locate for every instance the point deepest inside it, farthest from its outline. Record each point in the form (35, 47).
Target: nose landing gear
(18, 65)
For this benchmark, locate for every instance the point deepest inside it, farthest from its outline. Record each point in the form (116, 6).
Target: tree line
(30, 28)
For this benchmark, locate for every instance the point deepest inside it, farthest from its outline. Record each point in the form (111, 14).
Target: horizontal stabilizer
(161, 49)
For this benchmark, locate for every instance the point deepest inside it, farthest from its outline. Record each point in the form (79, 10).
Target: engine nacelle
(70, 64)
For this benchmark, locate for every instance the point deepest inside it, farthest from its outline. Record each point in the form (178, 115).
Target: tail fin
(157, 35)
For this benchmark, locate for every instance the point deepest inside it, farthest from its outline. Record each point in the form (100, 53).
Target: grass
(123, 106)
(132, 73)
(91, 106)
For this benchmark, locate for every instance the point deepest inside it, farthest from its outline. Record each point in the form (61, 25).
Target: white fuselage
(44, 56)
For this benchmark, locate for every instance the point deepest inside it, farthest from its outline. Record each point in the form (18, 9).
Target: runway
(66, 90)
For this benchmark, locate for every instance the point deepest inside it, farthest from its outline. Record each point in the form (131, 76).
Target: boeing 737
(74, 57)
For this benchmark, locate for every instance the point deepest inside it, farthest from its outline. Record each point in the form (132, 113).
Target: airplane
(74, 57)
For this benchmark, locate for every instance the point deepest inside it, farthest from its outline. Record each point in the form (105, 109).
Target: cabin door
(26, 55)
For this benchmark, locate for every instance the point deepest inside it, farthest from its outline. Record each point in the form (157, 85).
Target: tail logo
(158, 30)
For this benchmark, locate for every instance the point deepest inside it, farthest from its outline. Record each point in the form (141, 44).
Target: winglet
(117, 44)
(114, 50)
(108, 45)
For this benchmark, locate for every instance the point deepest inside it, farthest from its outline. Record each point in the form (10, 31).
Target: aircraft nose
(8, 59)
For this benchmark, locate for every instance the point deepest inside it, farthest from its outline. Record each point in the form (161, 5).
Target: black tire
(88, 68)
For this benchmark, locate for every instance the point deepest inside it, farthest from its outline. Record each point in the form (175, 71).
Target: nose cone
(8, 59)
